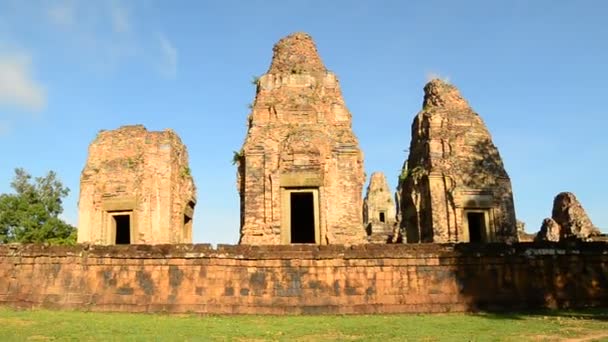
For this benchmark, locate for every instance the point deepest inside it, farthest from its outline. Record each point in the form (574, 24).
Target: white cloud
(85, 15)
(105, 34)
(17, 86)
(61, 13)
(120, 18)
(169, 56)
(435, 75)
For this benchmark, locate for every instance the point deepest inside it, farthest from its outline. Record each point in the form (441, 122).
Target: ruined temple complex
(300, 174)
(136, 188)
(300, 171)
(454, 187)
(309, 242)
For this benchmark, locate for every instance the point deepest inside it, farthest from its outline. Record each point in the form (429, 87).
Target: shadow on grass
(594, 314)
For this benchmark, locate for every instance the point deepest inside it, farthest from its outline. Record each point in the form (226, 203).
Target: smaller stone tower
(379, 211)
(136, 188)
(454, 187)
(568, 221)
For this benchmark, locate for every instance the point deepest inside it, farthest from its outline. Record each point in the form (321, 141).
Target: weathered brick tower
(136, 188)
(379, 211)
(300, 171)
(454, 187)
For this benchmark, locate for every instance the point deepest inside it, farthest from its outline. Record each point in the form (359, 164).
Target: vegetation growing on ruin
(81, 326)
(31, 213)
(416, 173)
(236, 157)
(130, 163)
(185, 171)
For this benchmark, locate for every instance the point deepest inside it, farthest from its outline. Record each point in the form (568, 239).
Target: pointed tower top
(378, 181)
(439, 93)
(296, 54)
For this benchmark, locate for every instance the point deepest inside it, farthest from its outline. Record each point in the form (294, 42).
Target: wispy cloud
(105, 34)
(18, 87)
(169, 56)
(119, 17)
(61, 13)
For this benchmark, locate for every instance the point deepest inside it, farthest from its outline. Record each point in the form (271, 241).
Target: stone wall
(305, 278)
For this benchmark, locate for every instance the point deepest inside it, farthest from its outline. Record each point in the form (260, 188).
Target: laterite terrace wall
(304, 279)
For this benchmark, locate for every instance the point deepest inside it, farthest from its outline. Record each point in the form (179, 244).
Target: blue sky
(536, 71)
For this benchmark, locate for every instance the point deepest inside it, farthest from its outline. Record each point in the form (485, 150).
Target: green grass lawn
(42, 325)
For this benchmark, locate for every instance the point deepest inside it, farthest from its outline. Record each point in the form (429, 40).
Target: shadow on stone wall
(307, 279)
(533, 276)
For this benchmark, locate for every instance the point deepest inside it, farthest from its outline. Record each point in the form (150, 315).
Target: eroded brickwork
(568, 221)
(522, 236)
(304, 279)
(379, 211)
(300, 148)
(139, 180)
(454, 187)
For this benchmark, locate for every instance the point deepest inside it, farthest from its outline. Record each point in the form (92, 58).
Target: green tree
(31, 214)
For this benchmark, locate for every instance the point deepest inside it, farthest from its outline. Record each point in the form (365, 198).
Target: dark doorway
(187, 228)
(382, 218)
(302, 217)
(123, 229)
(477, 226)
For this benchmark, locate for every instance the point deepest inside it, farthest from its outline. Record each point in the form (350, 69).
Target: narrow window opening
(382, 217)
(302, 217)
(477, 226)
(123, 229)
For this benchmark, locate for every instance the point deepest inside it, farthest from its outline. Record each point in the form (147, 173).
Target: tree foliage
(31, 214)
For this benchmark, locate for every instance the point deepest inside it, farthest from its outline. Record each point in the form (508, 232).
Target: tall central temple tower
(300, 171)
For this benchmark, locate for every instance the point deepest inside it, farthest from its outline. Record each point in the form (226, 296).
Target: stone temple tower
(454, 187)
(300, 171)
(136, 188)
(379, 212)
